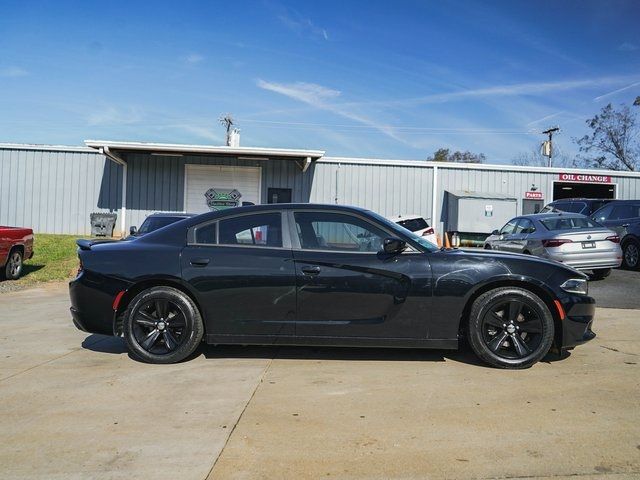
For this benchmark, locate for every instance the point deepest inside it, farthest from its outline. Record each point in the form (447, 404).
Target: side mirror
(393, 245)
(495, 232)
(133, 230)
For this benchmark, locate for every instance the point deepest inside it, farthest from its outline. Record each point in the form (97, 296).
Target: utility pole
(547, 146)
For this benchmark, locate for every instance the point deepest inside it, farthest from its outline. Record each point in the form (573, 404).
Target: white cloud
(628, 47)
(301, 25)
(635, 84)
(320, 97)
(114, 116)
(13, 72)
(194, 58)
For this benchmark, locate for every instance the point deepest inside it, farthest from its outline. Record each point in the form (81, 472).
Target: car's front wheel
(162, 325)
(631, 255)
(510, 327)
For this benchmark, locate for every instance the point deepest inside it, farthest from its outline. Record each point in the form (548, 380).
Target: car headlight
(576, 285)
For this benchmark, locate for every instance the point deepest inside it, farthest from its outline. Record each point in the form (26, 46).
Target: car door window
(622, 212)
(337, 232)
(604, 213)
(525, 226)
(260, 230)
(509, 228)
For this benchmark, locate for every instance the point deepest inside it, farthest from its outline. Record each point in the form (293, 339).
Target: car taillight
(613, 238)
(428, 231)
(555, 242)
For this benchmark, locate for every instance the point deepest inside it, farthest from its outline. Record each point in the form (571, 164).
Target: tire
(510, 327)
(487, 246)
(600, 274)
(13, 267)
(631, 255)
(162, 325)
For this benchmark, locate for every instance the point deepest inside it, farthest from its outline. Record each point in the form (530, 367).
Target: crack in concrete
(233, 429)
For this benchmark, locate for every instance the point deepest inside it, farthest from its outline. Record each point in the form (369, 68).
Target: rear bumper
(588, 260)
(91, 308)
(576, 327)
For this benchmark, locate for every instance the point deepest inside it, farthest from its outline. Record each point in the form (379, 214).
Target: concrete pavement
(76, 406)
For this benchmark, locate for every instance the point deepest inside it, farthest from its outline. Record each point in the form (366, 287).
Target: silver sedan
(573, 239)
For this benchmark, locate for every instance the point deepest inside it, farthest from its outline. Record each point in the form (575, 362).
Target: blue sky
(374, 79)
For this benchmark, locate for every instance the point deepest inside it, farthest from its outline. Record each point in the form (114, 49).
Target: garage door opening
(583, 190)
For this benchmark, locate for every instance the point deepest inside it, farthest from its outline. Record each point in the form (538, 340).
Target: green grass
(54, 258)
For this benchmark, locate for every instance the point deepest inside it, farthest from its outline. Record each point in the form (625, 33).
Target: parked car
(16, 245)
(584, 206)
(312, 280)
(417, 225)
(623, 216)
(155, 221)
(572, 239)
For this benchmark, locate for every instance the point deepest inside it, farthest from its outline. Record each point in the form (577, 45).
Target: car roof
(405, 216)
(580, 199)
(172, 214)
(543, 216)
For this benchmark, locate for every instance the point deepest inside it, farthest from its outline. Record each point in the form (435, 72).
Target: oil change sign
(222, 198)
(577, 177)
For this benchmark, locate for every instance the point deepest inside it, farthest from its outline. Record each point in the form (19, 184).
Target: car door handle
(311, 270)
(199, 262)
(625, 225)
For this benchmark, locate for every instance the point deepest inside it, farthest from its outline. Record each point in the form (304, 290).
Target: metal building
(53, 189)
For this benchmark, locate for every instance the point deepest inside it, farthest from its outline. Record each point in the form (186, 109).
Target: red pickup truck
(16, 244)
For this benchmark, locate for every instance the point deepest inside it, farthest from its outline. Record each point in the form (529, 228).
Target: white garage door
(200, 178)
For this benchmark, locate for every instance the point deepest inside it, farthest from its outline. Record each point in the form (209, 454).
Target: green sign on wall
(222, 198)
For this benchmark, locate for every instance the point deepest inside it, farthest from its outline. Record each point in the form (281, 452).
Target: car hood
(510, 257)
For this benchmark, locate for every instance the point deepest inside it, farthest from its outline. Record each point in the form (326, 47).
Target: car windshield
(569, 223)
(422, 241)
(154, 223)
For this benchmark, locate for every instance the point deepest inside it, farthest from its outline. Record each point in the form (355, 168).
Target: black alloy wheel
(631, 255)
(162, 325)
(510, 328)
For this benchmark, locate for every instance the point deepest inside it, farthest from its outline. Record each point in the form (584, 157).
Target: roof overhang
(306, 156)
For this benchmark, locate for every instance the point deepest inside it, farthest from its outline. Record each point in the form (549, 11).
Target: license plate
(588, 244)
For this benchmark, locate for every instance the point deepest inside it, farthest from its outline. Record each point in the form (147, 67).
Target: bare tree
(613, 141)
(445, 155)
(534, 158)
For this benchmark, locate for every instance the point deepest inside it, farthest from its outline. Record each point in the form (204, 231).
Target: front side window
(509, 228)
(261, 230)
(604, 213)
(337, 232)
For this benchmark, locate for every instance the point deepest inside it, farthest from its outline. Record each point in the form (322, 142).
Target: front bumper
(576, 327)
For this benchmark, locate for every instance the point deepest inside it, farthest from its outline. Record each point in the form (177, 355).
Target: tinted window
(152, 224)
(509, 227)
(625, 211)
(414, 224)
(604, 213)
(569, 223)
(525, 226)
(598, 205)
(336, 231)
(206, 233)
(263, 229)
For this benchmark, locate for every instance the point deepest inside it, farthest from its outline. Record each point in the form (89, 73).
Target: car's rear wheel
(631, 255)
(510, 327)
(13, 267)
(162, 325)
(600, 273)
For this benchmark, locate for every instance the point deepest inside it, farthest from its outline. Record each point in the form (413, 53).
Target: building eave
(186, 149)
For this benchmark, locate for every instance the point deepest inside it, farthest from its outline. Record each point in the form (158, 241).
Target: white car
(417, 225)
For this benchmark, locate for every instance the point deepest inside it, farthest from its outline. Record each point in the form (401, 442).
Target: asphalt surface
(76, 406)
(621, 289)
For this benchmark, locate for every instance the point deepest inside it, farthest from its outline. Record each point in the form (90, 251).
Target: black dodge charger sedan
(304, 274)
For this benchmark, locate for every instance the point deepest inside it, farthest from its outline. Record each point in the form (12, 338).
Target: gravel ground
(619, 290)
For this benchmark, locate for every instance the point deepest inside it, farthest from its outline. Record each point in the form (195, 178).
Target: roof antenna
(233, 134)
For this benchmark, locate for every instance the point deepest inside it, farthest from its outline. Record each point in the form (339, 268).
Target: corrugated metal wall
(55, 191)
(156, 183)
(386, 189)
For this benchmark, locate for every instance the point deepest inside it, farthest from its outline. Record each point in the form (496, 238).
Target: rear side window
(625, 211)
(569, 223)
(414, 224)
(206, 234)
(260, 230)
